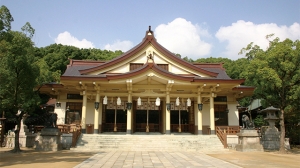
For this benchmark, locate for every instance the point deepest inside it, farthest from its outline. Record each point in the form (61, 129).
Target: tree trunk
(282, 132)
(17, 133)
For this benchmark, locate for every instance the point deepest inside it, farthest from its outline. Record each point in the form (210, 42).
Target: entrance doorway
(114, 118)
(154, 120)
(180, 123)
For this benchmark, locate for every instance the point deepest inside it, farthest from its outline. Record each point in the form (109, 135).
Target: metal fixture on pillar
(168, 106)
(96, 105)
(179, 107)
(227, 110)
(200, 106)
(58, 104)
(128, 105)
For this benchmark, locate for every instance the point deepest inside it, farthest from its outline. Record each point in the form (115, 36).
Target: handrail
(222, 136)
(230, 130)
(76, 134)
(74, 129)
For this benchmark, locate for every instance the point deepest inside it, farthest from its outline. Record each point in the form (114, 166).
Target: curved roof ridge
(155, 68)
(149, 38)
(177, 59)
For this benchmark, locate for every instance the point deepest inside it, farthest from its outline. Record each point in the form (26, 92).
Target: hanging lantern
(129, 105)
(188, 102)
(157, 102)
(200, 106)
(96, 105)
(139, 101)
(177, 101)
(105, 100)
(168, 106)
(119, 102)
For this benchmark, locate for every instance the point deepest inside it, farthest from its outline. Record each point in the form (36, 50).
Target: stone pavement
(144, 159)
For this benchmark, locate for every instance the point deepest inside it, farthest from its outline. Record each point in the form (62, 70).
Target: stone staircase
(148, 142)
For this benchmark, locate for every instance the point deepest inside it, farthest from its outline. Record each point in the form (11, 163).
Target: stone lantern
(271, 136)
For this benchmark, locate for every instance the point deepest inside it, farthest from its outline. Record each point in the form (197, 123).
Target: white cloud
(119, 45)
(241, 33)
(182, 37)
(66, 38)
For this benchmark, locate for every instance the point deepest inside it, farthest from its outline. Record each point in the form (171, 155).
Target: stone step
(142, 142)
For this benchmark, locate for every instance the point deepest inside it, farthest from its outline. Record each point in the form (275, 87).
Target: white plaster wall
(61, 113)
(233, 115)
(90, 112)
(141, 59)
(122, 69)
(176, 70)
(205, 114)
(159, 60)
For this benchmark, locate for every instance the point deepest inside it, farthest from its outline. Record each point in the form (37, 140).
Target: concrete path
(147, 159)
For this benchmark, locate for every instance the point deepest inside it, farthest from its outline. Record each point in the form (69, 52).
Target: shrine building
(147, 89)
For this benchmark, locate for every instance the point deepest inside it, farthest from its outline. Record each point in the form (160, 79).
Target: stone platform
(49, 140)
(249, 140)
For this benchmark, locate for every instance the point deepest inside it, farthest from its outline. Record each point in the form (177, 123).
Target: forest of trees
(274, 72)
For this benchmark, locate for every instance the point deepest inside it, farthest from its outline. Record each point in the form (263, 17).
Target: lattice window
(134, 66)
(163, 66)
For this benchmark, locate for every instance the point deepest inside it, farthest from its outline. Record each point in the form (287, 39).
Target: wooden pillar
(168, 115)
(199, 116)
(83, 118)
(96, 116)
(129, 114)
(212, 114)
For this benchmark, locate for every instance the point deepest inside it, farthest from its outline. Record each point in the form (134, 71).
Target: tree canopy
(276, 74)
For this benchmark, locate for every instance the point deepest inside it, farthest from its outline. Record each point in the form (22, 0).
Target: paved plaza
(147, 159)
(134, 159)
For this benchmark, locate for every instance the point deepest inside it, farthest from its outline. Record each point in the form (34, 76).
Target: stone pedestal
(48, 140)
(248, 141)
(26, 138)
(66, 141)
(271, 138)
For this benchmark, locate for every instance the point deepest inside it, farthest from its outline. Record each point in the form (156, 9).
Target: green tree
(276, 74)
(5, 19)
(18, 74)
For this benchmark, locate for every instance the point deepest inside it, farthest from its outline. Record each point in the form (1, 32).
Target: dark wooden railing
(184, 128)
(223, 131)
(141, 127)
(76, 134)
(230, 130)
(74, 129)
(222, 136)
(109, 127)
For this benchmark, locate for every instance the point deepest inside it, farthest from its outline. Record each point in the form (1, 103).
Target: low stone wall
(232, 141)
(29, 141)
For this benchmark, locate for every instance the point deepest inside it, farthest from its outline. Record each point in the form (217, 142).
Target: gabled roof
(80, 69)
(145, 68)
(149, 38)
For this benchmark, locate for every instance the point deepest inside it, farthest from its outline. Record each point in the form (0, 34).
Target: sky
(193, 28)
